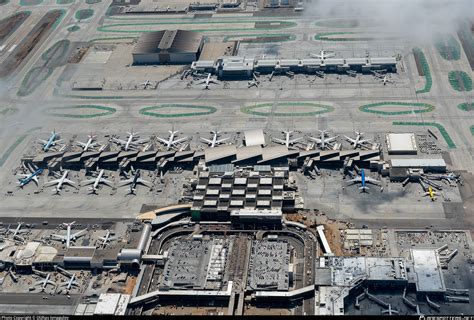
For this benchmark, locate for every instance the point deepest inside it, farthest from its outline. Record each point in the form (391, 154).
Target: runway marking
(317, 109)
(106, 111)
(338, 23)
(261, 38)
(441, 129)
(148, 111)
(424, 107)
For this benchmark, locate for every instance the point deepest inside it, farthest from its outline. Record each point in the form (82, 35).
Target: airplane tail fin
(364, 189)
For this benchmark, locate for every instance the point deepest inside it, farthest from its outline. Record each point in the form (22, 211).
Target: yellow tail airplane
(431, 193)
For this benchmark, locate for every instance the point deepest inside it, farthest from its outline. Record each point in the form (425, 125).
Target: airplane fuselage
(28, 179)
(50, 142)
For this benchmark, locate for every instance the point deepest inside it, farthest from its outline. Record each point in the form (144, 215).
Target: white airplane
(322, 141)
(134, 181)
(96, 181)
(145, 84)
(288, 141)
(382, 77)
(363, 179)
(323, 54)
(208, 81)
(71, 282)
(69, 237)
(389, 311)
(89, 144)
(215, 139)
(252, 83)
(60, 182)
(171, 142)
(357, 141)
(17, 231)
(131, 142)
(43, 283)
(51, 142)
(107, 238)
(320, 74)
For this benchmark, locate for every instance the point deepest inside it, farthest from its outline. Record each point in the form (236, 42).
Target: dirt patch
(10, 24)
(418, 63)
(34, 38)
(78, 54)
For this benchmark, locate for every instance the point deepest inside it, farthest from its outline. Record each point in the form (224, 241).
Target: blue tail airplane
(47, 144)
(24, 179)
(363, 180)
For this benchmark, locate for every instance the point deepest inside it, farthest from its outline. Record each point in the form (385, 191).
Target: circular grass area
(466, 106)
(81, 111)
(57, 50)
(73, 28)
(84, 14)
(338, 23)
(396, 108)
(177, 110)
(460, 80)
(287, 109)
(448, 47)
(33, 79)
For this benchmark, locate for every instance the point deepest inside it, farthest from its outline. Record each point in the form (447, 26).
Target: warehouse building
(168, 47)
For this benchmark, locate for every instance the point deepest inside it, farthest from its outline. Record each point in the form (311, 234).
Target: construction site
(265, 157)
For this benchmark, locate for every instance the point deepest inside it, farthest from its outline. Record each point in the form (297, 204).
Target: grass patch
(84, 14)
(466, 106)
(448, 47)
(422, 108)
(441, 129)
(33, 79)
(421, 59)
(338, 23)
(93, 1)
(460, 81)
(150, 111)
(73, 28)
(105, 111)
(64, 1)
(315, 109)
(30, 2)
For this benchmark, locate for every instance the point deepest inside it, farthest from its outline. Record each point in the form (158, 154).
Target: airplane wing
(82, 144)
(295, 140)
(207, 140)
(120, 141)
(179, 140)
(42, 141)
(349, 139)
(58, 237)
(356, 180)
(125, 182)
(330, 139)
(52, 182)
(51, 282)
(364, 141)
(22, 175)
(371, 180)
(162, 140)
(87, 182)
(107, 182)
(315, 139)
(214, 81)
(222, 140)
(279, 140)
(69, 182)
(141, 141)
(145, 182)
(78, 234)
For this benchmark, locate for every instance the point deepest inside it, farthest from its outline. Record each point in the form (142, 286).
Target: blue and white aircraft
(24, 178)
(363, 180)
(53, 139)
